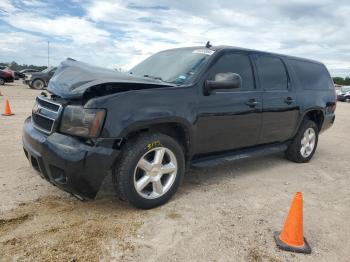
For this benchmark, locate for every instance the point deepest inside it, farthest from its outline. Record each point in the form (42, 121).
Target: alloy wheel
(308, 142)
(155, 173)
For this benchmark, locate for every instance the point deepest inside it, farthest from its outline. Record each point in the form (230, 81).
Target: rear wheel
(38, 84)
(304, 144)
(2, 81)
(347, 99)
(149, 170)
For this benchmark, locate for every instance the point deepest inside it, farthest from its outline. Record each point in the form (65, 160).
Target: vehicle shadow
(215, 175)
(197, 177)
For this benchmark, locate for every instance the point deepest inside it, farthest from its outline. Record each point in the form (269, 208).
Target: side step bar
(218, 159)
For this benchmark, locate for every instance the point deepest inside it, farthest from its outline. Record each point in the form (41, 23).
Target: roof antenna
(208, 45)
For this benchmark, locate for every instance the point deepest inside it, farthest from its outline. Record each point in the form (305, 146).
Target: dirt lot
(227, 213)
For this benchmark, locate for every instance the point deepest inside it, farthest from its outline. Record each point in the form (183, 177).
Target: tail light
(331, 107)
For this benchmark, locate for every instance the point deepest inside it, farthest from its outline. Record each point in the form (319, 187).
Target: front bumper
(67, 162)
(10, 80)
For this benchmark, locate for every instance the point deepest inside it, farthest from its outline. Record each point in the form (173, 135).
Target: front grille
(42, 122)
(48, 105)
(45, 114)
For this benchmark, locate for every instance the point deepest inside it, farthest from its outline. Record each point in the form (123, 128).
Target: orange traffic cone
(7, 109)
(292, 236)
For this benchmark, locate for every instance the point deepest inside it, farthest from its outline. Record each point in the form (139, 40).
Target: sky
(121, 33)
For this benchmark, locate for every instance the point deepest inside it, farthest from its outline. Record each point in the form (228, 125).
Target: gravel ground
(226, 213)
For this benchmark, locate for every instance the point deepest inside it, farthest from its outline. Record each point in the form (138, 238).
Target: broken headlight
(82, 122)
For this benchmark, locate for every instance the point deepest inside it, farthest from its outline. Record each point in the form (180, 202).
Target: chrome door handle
(252, 103)
(289, 100)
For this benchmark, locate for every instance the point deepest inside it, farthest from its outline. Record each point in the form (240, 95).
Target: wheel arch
(176, 128)
(314, 114)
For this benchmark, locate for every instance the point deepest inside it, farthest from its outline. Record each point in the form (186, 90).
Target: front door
(229, 119)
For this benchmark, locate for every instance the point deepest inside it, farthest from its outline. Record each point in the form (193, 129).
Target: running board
(215, 160)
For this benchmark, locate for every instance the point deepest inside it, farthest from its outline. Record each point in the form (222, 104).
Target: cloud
(78, 29)
(17, 44)
(121, 33)
(6, 7)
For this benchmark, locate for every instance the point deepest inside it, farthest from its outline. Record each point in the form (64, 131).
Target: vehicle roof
(234, 48)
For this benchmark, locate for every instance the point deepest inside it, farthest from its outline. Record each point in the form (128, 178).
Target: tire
(347, 99)
(38, 84)
(2, 81)
(138, 160)
(299, 151)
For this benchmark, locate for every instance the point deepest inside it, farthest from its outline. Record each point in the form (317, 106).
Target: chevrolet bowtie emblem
(36, 109)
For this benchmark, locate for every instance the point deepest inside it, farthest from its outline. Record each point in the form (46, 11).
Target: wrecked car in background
(197, 106)
(23, 72)
(6, 76)
(39, 80)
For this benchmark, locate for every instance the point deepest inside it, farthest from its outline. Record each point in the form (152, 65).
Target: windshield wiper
(154, 77)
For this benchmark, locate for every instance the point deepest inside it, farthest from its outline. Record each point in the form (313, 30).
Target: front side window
(272, 73)
(234, 63)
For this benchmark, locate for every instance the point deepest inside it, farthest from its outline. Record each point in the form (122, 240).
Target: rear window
(272, 73)
(312, 75)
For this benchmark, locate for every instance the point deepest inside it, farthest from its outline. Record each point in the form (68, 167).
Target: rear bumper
(67, 162)
(328, 121)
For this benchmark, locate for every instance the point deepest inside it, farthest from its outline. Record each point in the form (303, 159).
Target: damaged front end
(63, 138)
(73, 163)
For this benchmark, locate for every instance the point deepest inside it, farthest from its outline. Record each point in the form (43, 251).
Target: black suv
(196, 106)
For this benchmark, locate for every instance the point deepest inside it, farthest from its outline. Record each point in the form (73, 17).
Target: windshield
(176, 66)
(345, 89)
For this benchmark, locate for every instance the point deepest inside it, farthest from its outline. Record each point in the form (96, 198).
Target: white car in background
(344, 94)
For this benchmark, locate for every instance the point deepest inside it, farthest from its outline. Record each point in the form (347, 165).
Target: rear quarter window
(311, 75)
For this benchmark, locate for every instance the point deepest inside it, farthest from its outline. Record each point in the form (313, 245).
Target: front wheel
(347, 99)
(38, 84)
(2, 81)
(149, 170)
(304, 143)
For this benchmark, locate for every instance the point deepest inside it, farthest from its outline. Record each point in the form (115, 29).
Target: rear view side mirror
(223, 81)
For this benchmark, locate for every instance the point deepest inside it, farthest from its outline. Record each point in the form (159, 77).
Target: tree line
(342, 81)
(17, 67)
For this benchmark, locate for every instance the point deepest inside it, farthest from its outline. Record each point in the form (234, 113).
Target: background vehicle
(8, 70)
(6, 77)
(39, 80)
(189, 106)
(21, 74)
(344, 94)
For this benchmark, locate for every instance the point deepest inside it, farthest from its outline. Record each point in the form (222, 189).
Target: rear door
(280, 110)
(229, 119)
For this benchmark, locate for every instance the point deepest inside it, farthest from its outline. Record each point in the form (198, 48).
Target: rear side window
(234, 63)
(312, 75)
(272, 73)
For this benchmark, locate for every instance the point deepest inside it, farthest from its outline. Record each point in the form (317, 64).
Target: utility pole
(48, 54)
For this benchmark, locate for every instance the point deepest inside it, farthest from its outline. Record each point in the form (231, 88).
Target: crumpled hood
(73, 78)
